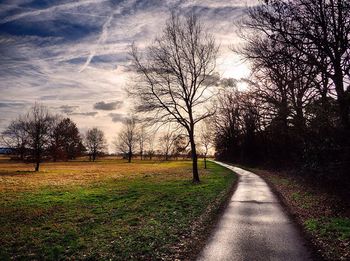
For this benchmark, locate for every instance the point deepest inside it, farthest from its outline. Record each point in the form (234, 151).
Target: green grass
(330, 227)
(322, 213)
(129, 217)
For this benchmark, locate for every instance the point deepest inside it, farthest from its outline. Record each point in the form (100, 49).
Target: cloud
(44, 44)
(117, 117)
(68, 109)
(108, 106)
(104, 33)
(12, 104)
(49, 10)
(90, 113)
(100, 41)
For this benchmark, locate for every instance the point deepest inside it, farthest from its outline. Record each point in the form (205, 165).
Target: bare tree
(151, 142)
(319, 30)
(95, 142)
(40, 134)
(16, 138)
(127, 138)
(206, 138)
(281, 79)
(176, 76)
(38, 123)
(141, 137)
(166, 143)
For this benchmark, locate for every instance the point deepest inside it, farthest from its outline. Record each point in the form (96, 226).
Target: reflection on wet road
(254, 226)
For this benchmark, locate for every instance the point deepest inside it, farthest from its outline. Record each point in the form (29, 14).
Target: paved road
(254, 226)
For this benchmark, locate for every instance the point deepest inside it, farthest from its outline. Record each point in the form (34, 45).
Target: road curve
(254, 226)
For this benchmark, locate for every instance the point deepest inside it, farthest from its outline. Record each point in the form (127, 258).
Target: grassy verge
(107, 210)
(323, 216)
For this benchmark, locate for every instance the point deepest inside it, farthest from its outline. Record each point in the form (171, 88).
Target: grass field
(105, 210)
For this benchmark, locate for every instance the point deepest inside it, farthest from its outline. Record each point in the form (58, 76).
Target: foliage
(295, 113)
(40, 135)
(66, 142)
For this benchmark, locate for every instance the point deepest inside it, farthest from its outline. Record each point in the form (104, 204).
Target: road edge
(212, 221)
(314, 250)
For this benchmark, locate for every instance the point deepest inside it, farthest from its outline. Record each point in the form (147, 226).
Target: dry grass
(17, 176)
(108, 210)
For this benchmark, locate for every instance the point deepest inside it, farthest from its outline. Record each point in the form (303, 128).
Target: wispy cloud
(104, 34)
(45, 44)
(117, 117)
(50, 10)
(12, 104)
(100, 41)
(90, 113)
(68, 109)
(108, 106)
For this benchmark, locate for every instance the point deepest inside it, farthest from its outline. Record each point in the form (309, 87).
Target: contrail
(50, 9)
(104, 34)
(101, 39)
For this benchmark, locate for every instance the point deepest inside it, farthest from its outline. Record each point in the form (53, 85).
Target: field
(106, 210)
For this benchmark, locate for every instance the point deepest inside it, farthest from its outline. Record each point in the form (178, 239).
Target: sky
(72, 56)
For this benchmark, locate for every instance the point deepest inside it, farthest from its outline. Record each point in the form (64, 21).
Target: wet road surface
(254, 226)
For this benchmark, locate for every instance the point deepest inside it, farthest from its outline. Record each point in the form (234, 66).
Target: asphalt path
(254, 226)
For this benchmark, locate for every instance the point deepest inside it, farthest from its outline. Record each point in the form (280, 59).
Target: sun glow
(230, 65)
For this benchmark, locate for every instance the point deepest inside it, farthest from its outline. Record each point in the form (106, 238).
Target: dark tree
(175, 76)
(16, 138)
(206, 138)
(166, 143)
(95, 143)
(127, 138)
(295, 114)
(319, 30)
(151, 140)
(38, 123)
(66, 141)
(180, 145)
(141, 137)
(227, 124)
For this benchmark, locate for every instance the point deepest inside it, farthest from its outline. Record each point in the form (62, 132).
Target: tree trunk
(37, 165)
(37, 160)
(341, 97)
(129, 156)
(22, 155)
(194, 160)
(300, 120)
(205, 161)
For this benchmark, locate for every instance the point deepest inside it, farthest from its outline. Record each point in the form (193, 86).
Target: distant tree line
(137, 139)
(296, 111)
(39, 136)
